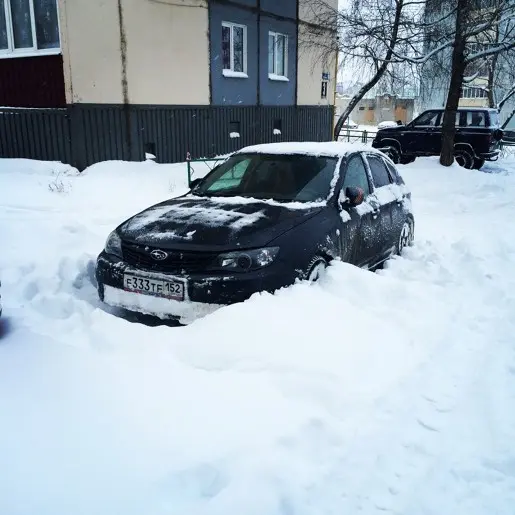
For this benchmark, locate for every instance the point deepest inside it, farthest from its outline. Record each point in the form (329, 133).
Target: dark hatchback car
(477, 140)
(265, 217)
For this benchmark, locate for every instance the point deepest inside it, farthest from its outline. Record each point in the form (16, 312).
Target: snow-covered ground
(364, 393)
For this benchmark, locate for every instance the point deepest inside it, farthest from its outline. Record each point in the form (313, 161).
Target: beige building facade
(157, 52)
(121, 79)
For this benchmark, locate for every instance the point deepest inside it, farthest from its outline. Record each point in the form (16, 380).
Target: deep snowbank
(363, 393)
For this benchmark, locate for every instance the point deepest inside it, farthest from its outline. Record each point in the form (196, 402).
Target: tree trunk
(453, 97)
(492, 73)
(399, 5)
(491, 93)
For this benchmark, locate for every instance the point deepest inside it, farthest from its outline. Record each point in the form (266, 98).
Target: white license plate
(156, 287)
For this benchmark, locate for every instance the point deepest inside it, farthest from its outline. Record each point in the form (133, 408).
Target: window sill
(278, 78)
(234, 75)
(30, 53)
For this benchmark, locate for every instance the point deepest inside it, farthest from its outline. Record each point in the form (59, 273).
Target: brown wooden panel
(32, 82)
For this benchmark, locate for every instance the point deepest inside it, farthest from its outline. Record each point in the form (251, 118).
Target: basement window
(29, 27)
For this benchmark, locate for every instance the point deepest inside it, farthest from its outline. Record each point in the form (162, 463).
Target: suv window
(356, 175)
(379, 171)
(476, 119)
(494, 119)
(431, 119)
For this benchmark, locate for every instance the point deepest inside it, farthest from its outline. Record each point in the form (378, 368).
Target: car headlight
(114, 245)
(246, 260)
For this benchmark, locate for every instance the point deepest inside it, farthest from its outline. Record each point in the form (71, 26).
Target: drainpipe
(334, 92)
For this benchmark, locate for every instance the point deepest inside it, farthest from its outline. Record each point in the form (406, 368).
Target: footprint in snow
(203, 481)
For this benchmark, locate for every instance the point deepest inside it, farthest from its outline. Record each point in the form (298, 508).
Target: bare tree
(483, 30)
(369, 32)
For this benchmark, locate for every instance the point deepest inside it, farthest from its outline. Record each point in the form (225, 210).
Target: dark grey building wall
(287, 8)
(277, 92)
(84, 134)
(249, 3)
(232, 90)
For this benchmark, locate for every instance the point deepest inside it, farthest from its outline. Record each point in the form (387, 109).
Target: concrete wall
(167, 51)
(256, 87)
(235, 91)
(313, 61)
(274, 92)
(286, 8)
(90, 40)
(166, 57)
(158, 69)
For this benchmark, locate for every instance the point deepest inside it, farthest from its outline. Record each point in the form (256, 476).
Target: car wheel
(393, 154)
(478, 163)
(464, 158)
(406, 237)
(315, 269)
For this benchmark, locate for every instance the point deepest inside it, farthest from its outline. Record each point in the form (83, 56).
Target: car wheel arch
(393, 143)
(466, 152)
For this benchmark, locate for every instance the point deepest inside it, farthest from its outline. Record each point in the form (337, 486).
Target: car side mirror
(194, 183)
(355, 196)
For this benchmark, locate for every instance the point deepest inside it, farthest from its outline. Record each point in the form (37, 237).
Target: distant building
(119, 78)
(435, 75)
(381, 108)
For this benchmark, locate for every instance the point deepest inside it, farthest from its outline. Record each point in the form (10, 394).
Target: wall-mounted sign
(325, 76)
(324, 89)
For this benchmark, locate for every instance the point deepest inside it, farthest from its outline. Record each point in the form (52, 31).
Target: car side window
(476, 119)
(380, 174)
(394, 174)
(429, 119)
(356, 175)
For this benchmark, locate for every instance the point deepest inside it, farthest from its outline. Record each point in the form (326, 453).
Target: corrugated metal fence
(84, 134)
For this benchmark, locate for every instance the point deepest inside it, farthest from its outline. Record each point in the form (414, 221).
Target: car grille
(176, 262)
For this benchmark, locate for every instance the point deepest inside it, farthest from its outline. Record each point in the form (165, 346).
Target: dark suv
(478, 137)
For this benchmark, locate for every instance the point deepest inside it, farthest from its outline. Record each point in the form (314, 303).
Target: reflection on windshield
(284, 178)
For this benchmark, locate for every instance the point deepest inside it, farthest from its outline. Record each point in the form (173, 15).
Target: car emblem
(159, 255)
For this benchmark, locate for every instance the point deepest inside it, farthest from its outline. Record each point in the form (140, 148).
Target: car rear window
(379, 172)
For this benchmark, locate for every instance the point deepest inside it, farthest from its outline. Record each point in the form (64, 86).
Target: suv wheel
(478, 163)
(464, 158)
(393, 154)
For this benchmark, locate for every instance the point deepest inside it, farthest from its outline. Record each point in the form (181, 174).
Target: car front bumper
(490, 156)
(203, 292)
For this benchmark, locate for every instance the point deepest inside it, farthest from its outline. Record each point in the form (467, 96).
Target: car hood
(386, 130)
(201, 223)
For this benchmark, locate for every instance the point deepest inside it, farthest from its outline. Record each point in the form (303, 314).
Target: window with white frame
(277, 55)
(28, 27)
(234, 49)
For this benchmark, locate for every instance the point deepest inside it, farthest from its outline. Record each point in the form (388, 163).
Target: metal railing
(210, 163)
(357, 136)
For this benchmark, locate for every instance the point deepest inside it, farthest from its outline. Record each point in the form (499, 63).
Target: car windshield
(285, 178)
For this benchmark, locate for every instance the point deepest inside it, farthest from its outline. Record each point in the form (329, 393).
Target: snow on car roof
(311, 148)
